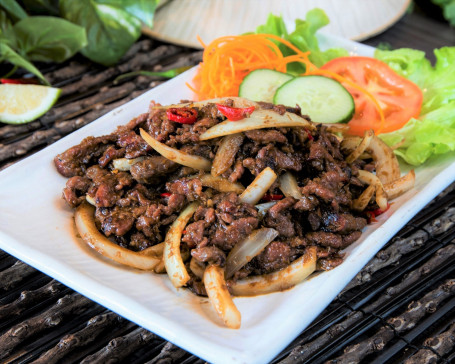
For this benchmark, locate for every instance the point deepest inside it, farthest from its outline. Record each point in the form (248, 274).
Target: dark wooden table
(399, 308)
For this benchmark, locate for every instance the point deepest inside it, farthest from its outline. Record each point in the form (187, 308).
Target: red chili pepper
(372, 214)
(378, 212)
(165, 194)
(182, 115)
(235, 113)
(269, 197)
(310, 137)
(19, 81)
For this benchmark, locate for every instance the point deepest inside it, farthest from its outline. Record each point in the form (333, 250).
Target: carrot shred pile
(227, 60)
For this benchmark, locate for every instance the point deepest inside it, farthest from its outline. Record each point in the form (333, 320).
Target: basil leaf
(13, 9)
(48, 39)
(111, 31)
(5, 23)
(9, 55)
(141, 9)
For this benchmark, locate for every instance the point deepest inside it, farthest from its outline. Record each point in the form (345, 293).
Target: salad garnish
(407, 102)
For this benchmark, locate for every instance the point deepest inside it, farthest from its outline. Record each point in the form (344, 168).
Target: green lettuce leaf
(303, 37)
(434, 131)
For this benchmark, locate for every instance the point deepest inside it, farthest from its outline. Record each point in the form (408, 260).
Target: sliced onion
(226, 152)
(264, 207)
(401, 185)
(360, 203)
(349, 143)
(220, 184)
(280, 280)
(156, 250)
(160, 267)
(175, 155)
(248, 248)
(197, 268)
(289, 186)
(124, 164)
(371, 179)
(172, 257)
(337, 127)
(358, 151)
(220, 298)
(90, 200)
(85, 223)
(259, 119)
(263, 181)
(387, 167)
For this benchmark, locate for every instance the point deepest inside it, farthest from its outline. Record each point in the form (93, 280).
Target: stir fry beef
(223, 225)
(135, 207)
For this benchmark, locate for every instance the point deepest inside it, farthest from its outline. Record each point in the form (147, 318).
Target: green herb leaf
(47, 38)
(144, 10)
(9, 55)
(5, 23)
(448, 9)
(13, 9)
(111, 31)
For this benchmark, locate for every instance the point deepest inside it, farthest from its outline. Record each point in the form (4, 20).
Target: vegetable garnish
(19, 81)
(270, 197)
(235, 113)
(399, 99)
(182, 115)
(227, 60)
(24, 103)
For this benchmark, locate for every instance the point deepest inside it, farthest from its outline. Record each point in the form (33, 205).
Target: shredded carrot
(227, 60)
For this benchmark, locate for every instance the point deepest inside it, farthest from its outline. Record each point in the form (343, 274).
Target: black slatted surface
(400, 308)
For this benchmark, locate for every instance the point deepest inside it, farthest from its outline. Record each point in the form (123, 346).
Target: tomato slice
(399, 98)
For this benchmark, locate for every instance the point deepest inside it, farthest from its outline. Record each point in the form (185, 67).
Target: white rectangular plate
(37, 227)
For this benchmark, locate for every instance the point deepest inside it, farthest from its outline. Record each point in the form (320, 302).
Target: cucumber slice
(261, 84)
(324, 100)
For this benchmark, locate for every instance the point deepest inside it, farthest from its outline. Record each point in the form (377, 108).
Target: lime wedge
(24, 103)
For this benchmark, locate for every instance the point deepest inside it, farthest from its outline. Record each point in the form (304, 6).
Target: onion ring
(85, 223)
(171, 255)
(280, 280)
(175, 155)
(220, 297)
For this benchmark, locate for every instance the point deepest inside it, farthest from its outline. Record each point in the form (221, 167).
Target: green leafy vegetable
(111, 31)
(13, 10)
(102, 30)
(303, 37)
(8, 54)
(48, 39)
(141, 9)
(434, 131)
(448, 9)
